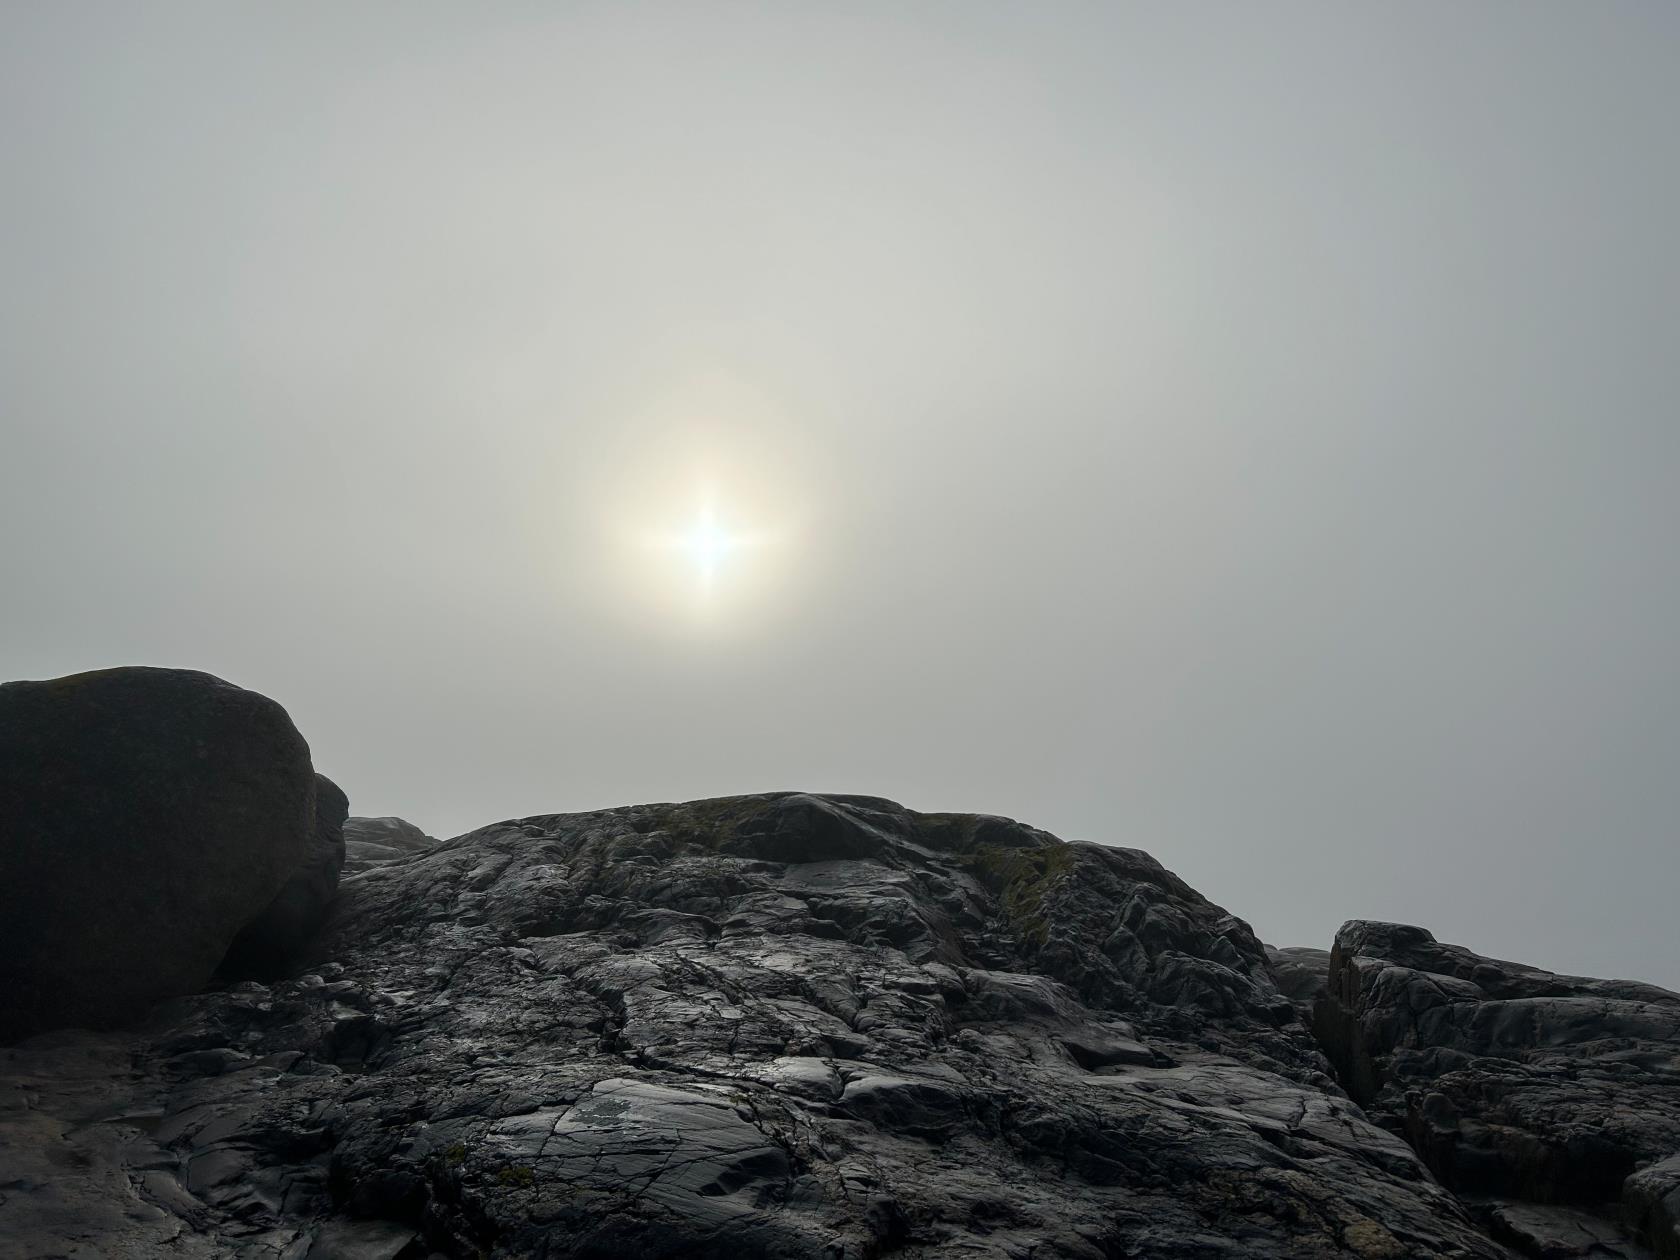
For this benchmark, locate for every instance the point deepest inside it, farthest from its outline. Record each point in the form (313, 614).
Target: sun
(708, 544)
(705, 544)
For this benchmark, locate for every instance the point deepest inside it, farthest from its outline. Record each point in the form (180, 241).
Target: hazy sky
(1245, 432)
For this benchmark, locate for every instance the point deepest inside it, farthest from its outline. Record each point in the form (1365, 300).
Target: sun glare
(708, 520)
(708, 544)
(709, 547)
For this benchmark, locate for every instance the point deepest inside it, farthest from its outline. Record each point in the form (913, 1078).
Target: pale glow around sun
(706, 504)
(716, 553)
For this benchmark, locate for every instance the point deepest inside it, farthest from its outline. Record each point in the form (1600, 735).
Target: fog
(1247, 433)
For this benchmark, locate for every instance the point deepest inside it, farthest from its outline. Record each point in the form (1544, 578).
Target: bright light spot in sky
(706, 501)
(708, 543)
(708, 547)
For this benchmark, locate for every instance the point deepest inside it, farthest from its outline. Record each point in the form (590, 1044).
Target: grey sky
(1244, 432)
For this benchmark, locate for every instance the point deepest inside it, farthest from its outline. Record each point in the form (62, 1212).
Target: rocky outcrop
(146, 815)
(1302, 975)
(374, 841)
(776, 1026)
(804, 1026)
(266, 945)
(1551, 1103)
(1651, 1205)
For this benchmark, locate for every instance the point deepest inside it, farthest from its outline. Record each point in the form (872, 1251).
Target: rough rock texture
(781, 1026)
(370, 842)
(1546, 1101)
(269, 942)
(1651, 1204)
(146, 815)
(1302, 975)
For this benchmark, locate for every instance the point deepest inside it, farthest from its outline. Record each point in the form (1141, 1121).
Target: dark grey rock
(146, 815)
(374, 841)
(776, 1026)
(276, 937)
(1302, 975)
(1514, 1084)
(1559, 1232)
(1651, 1205)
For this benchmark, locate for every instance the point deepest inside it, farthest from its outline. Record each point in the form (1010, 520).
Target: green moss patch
(715, 824)
(1021, 879)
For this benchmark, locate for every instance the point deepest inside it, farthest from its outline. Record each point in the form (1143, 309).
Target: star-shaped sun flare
(708, 543)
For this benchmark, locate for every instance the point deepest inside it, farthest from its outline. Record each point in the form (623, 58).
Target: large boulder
(271, 941)
(146, 816)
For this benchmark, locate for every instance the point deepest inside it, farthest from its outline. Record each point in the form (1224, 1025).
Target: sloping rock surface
(146, 815)
(777, 1026)
(371, 842)
(1549, 1102)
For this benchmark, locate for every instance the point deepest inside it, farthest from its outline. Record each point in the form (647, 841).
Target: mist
(1245, 434)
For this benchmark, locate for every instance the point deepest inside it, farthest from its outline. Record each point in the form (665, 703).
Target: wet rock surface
(146, 816)
(374, 841)
(1521, 1089)
(1302, 975)
(777, 1026)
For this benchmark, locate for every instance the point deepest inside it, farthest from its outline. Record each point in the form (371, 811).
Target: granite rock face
(146, 815)
(1549, 1103)
(775, 1026)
